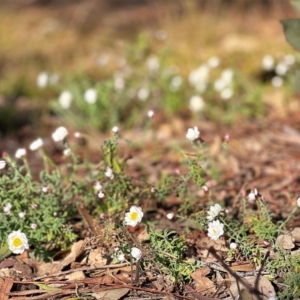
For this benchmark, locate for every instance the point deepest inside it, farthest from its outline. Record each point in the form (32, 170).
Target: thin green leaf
(47, 287)
(292, 32)
(4, 252)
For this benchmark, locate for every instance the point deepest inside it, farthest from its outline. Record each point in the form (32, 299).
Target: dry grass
(69, 39)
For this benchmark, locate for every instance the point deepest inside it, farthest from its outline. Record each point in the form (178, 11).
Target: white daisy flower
(170, 215)
(143, 94)
(109, 173)
(152, 64)
(59, 134)
(121, 257)
(196, 103)
(21, 152)
(22, 214)
(252, 195)
(134, 216)
(42, 80)
(233, 246)
(268, 63)
(214, 211)
(90, 96)
(192, 134)
(65, 99)
(213, 62)
(215, 229)
(2, 164)
(17, 242)
(136, 253)
(7, 208)
(35, 145)
(115, 129)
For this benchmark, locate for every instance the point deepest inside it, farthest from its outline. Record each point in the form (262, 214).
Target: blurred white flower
(38, 143)
(277, 81)
(115, 129)
(213, 62)
(213, 212)
(196, 103)
(252, 195)
(22, 214)
(233, 246)
(45, 189)
(90, 96)
(33, 226)
(227, 93)
(281, 68)
(97, 187)
(268, 63)
(42, 80)
(2, 164)
(119, 83)
(21, 152)
(150, 113)
(215, 229)
(7, 208)
(143, 94)
(17, 242)
(176, 83)
(170, 215)
(134, 216)
(192, 134)
(289, 59)
(152, 64)
(136, 253)
(121, 257)
(66, 151)
(101, 195)
(59, 134)
(220, 84)
(109, 173)
(298, 202)
(227, 75)
(199, 78)
(65, 99)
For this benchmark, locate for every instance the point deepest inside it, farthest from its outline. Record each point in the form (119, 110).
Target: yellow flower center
(134, 215)
(17, 242)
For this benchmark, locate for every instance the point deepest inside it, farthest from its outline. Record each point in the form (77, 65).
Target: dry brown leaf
(111, 294)
(264, 286)
(77, 275)
(96, 258)
(296, 234)
(206, 243)
(285, 241)
(43, 269)
(6, 263)
(202, 283)
(76, 250)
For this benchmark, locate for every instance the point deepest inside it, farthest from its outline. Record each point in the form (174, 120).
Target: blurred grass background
(70, 37)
